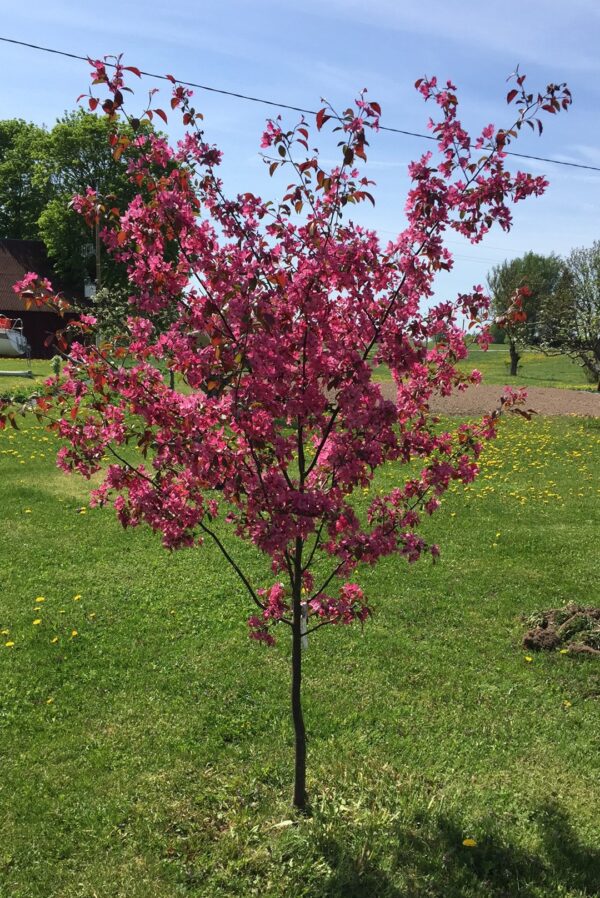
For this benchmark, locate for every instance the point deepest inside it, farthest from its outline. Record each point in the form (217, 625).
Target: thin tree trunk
(514, 358)
(300, 796)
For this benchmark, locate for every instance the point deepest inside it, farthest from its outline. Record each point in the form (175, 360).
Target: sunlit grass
(146, 742)
(535, 369)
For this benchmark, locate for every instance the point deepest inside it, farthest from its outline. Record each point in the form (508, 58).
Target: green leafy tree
(41, 170)
(24, 191)
(542, 276)
(79, 155)
(571, 320)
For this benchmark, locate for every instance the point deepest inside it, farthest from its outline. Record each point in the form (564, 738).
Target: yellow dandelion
(74, 634)
(567, 703)
(49, 701)
(469, 843)
(40, 599)
(37, 621)
(27, 511)
(9, 644)
(564, 652)
(4, 632)
(54, 640)
(77, 598)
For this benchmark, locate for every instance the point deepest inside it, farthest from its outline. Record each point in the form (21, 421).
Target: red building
(17, 257)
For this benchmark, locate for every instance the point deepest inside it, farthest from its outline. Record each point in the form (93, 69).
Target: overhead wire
(278, 105)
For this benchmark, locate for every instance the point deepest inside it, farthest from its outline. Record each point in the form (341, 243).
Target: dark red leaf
(511, 95)
(321, 118)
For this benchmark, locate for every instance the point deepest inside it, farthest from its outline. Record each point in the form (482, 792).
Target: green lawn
(535, 369)
(146, 741)
(23, 386)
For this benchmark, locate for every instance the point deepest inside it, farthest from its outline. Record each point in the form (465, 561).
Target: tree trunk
(300, 796)
(514, 358)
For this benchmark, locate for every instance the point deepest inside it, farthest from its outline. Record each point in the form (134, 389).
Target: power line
(278, 105)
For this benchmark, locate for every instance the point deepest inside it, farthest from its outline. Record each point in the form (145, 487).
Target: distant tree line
(562, 308)
(40, 171)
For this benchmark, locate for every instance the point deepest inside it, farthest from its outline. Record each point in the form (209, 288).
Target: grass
(23, 386)
(147, 749)
(535, 369)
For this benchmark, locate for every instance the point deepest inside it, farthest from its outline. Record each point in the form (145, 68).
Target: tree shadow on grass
(428, 860)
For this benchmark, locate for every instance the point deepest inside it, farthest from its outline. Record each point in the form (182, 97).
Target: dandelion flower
(9, 644)
(73, 634)
(528, 658)
(37, 621)
(40, 599)
(469, 843)
(77, 598)
(54, 640)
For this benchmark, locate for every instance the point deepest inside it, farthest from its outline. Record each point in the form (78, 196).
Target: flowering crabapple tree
(276, 314)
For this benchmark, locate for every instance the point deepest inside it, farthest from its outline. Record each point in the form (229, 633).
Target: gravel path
(484, 398)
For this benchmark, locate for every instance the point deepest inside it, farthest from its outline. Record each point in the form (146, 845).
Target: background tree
(24, 191)
(541, 275)
(278, 307)
(497, 333)
(78, 156)
(41, 171)
(571, 320)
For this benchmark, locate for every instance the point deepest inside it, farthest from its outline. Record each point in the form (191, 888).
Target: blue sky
(298, 53)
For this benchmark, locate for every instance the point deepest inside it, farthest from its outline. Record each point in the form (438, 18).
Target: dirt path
(485, 398)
